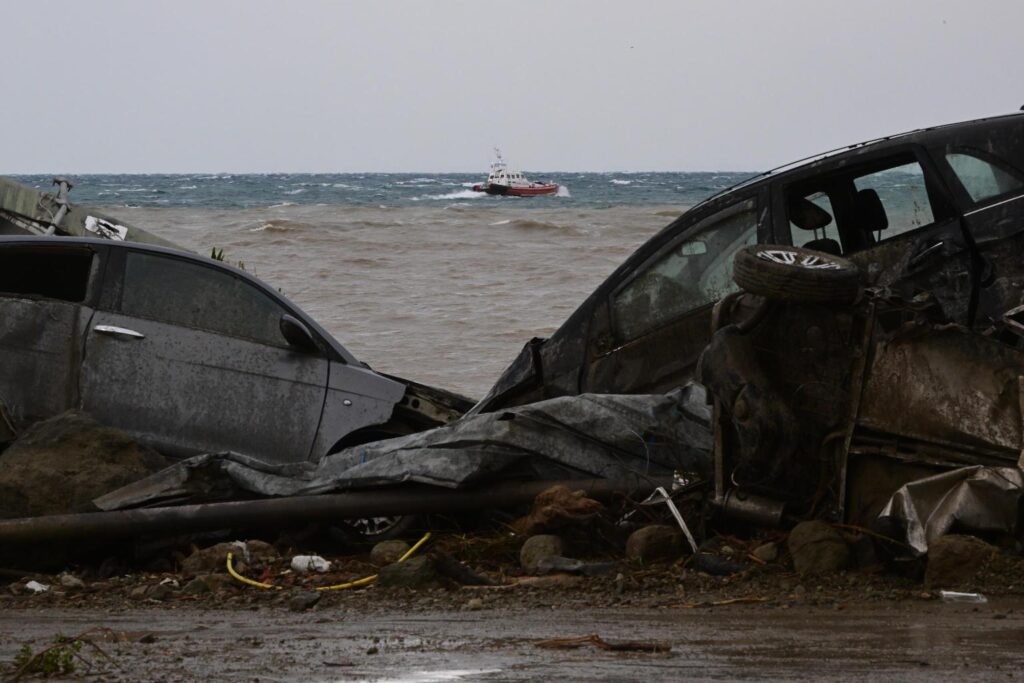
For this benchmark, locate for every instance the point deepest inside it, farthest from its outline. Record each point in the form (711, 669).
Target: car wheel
(796, 274)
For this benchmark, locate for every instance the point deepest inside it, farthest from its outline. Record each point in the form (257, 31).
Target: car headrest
(807, 215)
(870, 212)
(827, 245)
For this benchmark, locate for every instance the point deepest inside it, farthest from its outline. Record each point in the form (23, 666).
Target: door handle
(926, 253)
(115, 331)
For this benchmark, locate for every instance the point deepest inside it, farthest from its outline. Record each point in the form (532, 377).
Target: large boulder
(817, 548)
(59, 465)
(955, 560)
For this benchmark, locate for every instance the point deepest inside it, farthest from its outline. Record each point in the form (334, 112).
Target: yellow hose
(337, 587)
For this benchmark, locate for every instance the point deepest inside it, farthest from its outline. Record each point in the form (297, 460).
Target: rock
(196, 586)
(59, 465)
(388, 552)
(817, 548)
(416, 572)
(537, 548)
(304, 600)
(474, 604)
(160, 592)
(557, 509)
(138, 593)
(955, 560)
(218, 582)
(71, 582)
(654, 543)
(214, 558)
(766, 552)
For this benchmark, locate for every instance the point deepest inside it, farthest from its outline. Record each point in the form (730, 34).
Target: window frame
(942, 205)
(93, 280)
(700, 222)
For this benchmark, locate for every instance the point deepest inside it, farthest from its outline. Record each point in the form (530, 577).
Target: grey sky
(249, 86)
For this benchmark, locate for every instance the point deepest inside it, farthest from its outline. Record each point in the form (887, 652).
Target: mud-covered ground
(766, 623)
(342, 640)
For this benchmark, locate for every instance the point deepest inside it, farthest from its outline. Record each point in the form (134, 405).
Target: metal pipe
(276, 512)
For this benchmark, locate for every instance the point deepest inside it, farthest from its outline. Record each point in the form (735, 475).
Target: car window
(691, 273)
(51, 273)
(982, 179)
(893, 201)
(182, 293)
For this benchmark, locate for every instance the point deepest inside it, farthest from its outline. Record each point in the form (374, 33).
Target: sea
(414, 273)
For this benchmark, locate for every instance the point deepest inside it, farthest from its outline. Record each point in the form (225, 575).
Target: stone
(138, 593)
(416, 572)
(71, 582)
(301, 601)
(59, 465)
(474, 604)
(219, 582)
(955, 560)
(654, 543)
(817, 548)
(537, 548)
(160, 592)
(214, 558)
(766, 552)
(388, 552)
(196, 586)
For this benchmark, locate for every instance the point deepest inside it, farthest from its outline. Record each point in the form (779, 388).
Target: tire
(376, 529)
(796, 274)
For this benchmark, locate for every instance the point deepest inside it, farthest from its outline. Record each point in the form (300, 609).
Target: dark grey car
(187, 354)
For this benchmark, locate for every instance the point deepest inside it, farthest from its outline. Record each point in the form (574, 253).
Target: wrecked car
(186, 354)
(939, 209)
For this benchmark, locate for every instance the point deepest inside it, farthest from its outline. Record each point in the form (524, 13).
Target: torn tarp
(587, 436)
(970, 499)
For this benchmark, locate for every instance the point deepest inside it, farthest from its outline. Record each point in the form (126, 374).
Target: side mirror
(297, 334)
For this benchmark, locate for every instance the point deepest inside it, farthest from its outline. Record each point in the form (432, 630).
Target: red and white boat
(504, 181)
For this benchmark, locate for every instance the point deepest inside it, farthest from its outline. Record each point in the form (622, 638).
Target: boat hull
(513, 191)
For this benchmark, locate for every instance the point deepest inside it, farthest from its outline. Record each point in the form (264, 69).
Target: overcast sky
(326, 85)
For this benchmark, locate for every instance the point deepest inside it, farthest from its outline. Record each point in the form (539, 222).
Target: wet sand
(893, 641)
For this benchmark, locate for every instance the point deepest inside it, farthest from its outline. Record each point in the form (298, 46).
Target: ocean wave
(460, 194)
(188, 187)
(282, 205)
(563, 191)
(616, 181)
(298, 191)
(279, 226)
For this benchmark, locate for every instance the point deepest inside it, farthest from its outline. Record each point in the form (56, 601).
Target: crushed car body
(929, 210)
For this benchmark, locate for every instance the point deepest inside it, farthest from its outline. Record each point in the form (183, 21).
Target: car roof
(919, 135)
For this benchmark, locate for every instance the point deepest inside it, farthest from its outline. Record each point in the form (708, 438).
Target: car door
(647, 334)
(189, 357)
(45, 296)
(990, 188)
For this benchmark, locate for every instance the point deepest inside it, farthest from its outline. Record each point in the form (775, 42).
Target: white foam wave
(187, 187)
(281, 205)
(298, 191)
(616, 181)
(504, 222)
(460, 194)
(563, 191)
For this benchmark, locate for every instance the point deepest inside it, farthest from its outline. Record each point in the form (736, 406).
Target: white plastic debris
(169, 582)
(36, 587)
(956, 596)
(310, 563)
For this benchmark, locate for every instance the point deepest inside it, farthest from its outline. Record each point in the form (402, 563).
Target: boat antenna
(497, 153)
